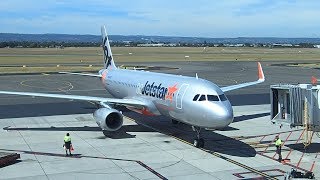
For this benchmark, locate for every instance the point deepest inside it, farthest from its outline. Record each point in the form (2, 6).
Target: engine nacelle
(108, 119)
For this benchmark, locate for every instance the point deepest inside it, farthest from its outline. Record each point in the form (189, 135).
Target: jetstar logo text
(154, 90)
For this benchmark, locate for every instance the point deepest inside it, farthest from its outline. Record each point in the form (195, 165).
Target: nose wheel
(198, 142)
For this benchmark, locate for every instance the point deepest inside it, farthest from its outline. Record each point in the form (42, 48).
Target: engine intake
(108, 119)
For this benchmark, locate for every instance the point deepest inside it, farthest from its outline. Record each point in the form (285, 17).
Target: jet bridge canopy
(296, 105)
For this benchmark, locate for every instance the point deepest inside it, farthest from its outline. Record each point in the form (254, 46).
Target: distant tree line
(28, 44)
(52, 44)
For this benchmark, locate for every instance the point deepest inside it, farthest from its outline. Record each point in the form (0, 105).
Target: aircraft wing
(238, 86)
(82, 74)
(125, 102)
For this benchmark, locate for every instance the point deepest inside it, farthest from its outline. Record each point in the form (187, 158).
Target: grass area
(93, 55)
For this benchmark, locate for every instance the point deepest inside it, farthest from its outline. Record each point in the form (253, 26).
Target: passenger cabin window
(196, 97)
(223, 97)
(212, 98)
(202, 98)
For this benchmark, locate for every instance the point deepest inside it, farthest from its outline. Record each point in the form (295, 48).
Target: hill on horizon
(6, 37)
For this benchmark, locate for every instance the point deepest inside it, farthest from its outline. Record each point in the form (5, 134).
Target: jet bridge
(297, 106)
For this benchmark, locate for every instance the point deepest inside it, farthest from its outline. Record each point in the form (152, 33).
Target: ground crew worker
(67, 144)
(278, 144)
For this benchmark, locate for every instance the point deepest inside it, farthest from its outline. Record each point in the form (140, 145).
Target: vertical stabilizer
(107, 54)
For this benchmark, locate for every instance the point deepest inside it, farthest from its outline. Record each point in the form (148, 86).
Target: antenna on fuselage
(196, 75)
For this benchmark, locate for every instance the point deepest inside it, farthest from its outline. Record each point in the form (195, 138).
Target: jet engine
(108, 119)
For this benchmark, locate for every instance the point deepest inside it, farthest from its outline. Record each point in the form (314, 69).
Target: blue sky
(201, 18)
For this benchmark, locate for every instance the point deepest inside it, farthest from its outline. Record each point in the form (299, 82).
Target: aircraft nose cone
(216, 115)
(224, 114)
(227, 117)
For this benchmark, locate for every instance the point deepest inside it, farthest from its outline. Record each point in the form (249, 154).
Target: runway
(148, 147)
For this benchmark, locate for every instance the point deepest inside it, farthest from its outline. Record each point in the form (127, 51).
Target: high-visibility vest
(67, 139)
(278, 142)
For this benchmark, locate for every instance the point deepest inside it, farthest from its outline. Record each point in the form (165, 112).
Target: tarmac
(150, 147)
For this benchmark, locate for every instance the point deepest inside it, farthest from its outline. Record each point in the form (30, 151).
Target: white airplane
(191, 100)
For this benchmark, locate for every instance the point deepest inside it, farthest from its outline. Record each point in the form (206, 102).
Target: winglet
(260, 73)
(242, 85)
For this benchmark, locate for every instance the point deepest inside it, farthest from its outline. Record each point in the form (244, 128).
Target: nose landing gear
(198, 142)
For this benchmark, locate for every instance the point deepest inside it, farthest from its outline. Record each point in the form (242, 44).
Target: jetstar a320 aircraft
(191, 100)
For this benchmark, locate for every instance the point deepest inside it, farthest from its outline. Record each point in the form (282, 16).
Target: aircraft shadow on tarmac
(312, 148)
(213, 141)
(122, 133)
(248, 117)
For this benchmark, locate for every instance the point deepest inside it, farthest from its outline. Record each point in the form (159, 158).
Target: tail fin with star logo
(107, 54)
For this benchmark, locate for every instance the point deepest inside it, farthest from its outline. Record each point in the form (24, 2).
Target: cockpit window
(202, 98)
(196, 97)
(223, 97)
(212, 98)
(209, 97)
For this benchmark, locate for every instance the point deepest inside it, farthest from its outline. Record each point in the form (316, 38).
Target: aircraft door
(180, 95)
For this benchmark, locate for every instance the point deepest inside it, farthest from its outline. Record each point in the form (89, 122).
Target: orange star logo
(171, 91)
(104, 75)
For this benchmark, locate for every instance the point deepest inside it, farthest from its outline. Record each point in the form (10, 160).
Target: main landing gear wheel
(198, 142)
(173, 121)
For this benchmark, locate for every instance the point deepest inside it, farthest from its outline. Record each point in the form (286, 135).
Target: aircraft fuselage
(173, 96)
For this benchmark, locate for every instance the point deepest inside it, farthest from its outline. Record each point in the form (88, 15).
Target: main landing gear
(173, 121)
(198, 142)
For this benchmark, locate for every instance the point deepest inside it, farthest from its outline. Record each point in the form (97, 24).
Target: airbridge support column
(296, 105)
